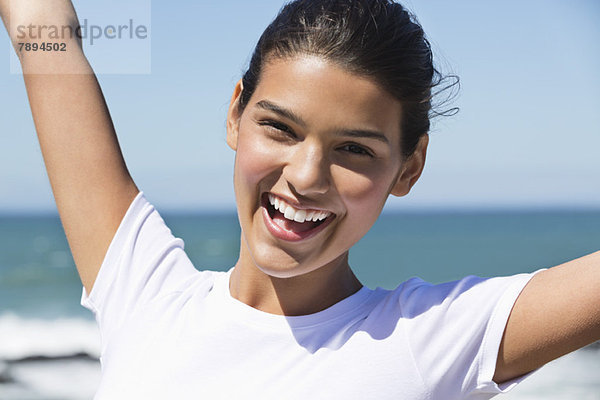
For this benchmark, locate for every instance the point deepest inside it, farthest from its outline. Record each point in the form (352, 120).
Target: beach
(49, 344)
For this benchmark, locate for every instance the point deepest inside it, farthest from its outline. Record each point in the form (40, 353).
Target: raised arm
(88, 175)
(557, 312)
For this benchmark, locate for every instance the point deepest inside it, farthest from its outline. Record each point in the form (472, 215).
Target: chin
(277, 263)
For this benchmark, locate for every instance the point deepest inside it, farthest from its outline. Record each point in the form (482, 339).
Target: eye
(277, 128)
(356, 149)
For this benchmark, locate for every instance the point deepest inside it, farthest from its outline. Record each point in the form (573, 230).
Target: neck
(299, 295)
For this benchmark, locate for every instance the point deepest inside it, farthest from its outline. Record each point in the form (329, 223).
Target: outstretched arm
(88, 175)
(557, 312)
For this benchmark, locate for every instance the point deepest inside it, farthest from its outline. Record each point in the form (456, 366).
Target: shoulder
(415, 296)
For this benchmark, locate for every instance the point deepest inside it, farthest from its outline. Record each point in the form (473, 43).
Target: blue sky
(527, 135)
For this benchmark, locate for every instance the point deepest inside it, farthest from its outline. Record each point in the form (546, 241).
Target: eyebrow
(355, 133)
(269, 106)
(362, 133)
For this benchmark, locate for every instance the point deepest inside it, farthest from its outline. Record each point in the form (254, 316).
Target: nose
(307, 170)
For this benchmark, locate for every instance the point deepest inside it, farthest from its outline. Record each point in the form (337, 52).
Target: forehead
(324, 94)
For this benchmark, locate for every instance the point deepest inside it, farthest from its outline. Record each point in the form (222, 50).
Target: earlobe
(412, 169)
(233, 116)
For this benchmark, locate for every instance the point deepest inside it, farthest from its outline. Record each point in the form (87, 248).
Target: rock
(5, 373)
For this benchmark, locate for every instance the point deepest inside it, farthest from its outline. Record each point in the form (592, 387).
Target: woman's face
(317, 154)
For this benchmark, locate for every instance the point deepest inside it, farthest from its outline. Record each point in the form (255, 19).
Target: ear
(412, 169)
(233, 116)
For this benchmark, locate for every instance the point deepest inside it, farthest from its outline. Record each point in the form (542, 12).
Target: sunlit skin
(302, 137)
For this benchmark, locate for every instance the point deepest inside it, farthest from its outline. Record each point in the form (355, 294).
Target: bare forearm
(87, 172)
(558, 312)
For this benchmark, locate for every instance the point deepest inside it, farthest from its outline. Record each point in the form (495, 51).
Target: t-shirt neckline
(351, 305)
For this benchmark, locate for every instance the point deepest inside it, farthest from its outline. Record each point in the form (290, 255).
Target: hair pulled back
(378, 39)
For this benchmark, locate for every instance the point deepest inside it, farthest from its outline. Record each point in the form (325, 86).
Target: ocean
(49, 344)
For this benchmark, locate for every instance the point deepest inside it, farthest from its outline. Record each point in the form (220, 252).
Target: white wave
(64, 380)
(28, 337)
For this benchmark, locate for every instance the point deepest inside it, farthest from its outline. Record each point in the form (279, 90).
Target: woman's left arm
(557, 312)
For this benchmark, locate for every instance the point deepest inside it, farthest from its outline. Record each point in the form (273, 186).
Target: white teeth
(300, 216)
(293, 214)
(289, 213)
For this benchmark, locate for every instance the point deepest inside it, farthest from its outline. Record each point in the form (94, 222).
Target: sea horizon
(47, 337)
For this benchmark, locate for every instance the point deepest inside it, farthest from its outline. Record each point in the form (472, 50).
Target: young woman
(330, 119)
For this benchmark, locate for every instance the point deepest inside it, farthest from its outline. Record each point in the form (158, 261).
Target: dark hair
(375, 38)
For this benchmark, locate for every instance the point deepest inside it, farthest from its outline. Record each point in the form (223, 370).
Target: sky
(527, 134)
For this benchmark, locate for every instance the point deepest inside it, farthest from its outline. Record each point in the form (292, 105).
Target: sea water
(49, 344)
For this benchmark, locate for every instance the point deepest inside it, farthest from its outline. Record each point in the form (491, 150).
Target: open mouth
(289, 223)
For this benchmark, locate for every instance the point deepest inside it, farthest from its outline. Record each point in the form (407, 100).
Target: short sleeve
(455, 329)
(144, 262)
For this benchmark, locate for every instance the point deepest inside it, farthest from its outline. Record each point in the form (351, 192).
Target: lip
(288, 236)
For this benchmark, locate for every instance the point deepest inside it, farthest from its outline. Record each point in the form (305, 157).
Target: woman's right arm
(89, 179)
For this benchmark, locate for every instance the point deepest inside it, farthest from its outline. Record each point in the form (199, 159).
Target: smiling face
(317, 154)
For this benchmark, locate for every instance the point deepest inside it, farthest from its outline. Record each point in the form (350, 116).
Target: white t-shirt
(171, 331)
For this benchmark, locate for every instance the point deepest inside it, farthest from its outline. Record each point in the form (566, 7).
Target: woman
(316, 159)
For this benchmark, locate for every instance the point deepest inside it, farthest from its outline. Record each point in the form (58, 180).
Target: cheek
(255, 159)
(364, 195)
